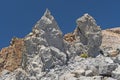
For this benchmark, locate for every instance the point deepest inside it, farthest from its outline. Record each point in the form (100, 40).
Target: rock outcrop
(110, 41)
(89, 34)
(45, 54)
(44, 46)
(11, 57)
(86, 38)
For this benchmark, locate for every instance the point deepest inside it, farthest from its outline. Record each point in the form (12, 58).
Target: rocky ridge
(45, 54)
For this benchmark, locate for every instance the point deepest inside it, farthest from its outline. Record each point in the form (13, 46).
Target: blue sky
(17, 17)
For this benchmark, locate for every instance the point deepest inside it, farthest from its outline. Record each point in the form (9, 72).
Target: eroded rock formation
(89, 34)
(45, 54)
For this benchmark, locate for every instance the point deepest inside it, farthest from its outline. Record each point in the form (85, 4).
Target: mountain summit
(46, 54)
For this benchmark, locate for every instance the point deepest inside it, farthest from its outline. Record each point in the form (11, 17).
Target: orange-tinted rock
(11, 57)
(111, 41)
(69, 37)
(111, 38)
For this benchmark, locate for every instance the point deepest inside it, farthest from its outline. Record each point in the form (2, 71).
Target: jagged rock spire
(47, 17)
(47, 13)
(48, 28)
(89, 34)
(47, 21)
(47, 42)
(88, 22)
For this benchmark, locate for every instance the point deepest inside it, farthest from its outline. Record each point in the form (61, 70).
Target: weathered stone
(117, 60)
(48, 29)
(75, 49)
(89, 73)
(44, 47)
(89, 34)
(116, 73)
(94, 69)
(79, 72)
(110, 78)
(67, 76)
(111, 36)
(70, 37)
(91, 78)
(11, 57)
(97, 78)
(106, 69)
(44, 54)
(108, 60)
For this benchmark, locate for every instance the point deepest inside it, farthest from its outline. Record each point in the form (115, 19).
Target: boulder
(116, 73)
(88, 73)
(106, 69)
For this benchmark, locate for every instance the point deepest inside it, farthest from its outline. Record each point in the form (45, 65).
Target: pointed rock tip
(86, 16)
(47, 16)
(47, 12)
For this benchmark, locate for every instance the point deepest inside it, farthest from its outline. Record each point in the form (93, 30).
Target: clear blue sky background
(17, 17)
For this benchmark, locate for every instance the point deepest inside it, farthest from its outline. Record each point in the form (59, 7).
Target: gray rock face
(75, 49)
(89, 34)
(44, 46)
(47, 28)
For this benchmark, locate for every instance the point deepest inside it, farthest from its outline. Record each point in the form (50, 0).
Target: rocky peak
(45, 45)
(48, 29)
(86, 38)
(86, 17)
(44, 54)
(47, 22)
(88, 22)
(47, 15)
